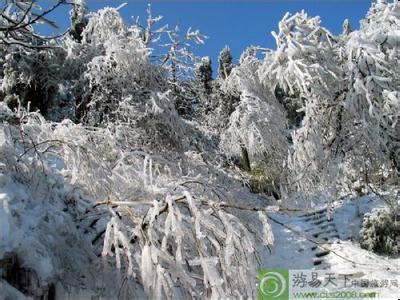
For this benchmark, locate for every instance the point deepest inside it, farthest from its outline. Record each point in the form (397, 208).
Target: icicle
(267, 229)
(121, 6)
(107, 240)
(146, 268)
(151, 173)
(196, 215)
(212, 276)
(145, 163)
(116, 248)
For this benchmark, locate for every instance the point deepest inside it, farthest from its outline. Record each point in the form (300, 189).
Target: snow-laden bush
(381, 232)
(40, 241)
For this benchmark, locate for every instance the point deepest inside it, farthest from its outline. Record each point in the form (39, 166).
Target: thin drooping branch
(215, 205)
(37, 17)
(20, 31)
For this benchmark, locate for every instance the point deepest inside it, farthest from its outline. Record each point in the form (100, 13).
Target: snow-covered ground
(294, 250)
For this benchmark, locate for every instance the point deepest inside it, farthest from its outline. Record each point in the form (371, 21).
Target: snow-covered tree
(257, 125)
(346, 27)
(179, 64)
(31, 69)
(372, 100)
(304, 67)
(78, 19)
(117, 68)
(34, 77)
(204, 73)
(225, 63)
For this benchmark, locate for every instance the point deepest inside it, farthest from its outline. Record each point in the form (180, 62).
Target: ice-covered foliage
(373, 93)
(343, 120)
(381, 232)
(304, 67)
(119, 87)
(347, 93)
(301, 64)
(31, 64)
(118, 67)
(225, 64)
(78, 19)
(39, 234)
(258, 121)
(142, 213)
(34, 77)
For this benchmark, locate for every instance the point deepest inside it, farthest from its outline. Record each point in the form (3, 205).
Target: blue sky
(235, 23)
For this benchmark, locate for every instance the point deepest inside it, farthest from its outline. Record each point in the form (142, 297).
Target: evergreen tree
(204, 73)
(346, 27)
(78, 20)
(225, 63)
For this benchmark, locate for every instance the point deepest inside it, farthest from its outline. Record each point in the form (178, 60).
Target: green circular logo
(273, 284)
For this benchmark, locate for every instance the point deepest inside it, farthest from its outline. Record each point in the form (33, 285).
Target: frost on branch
(187, 250)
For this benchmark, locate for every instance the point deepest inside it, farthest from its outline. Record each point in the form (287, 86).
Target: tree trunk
(245, 161)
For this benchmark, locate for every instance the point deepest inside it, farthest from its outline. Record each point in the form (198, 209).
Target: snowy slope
(294, 250)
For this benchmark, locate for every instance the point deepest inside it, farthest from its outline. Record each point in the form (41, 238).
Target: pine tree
(204, 73)
(346, 27)
(78, 20)
(225, 63)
